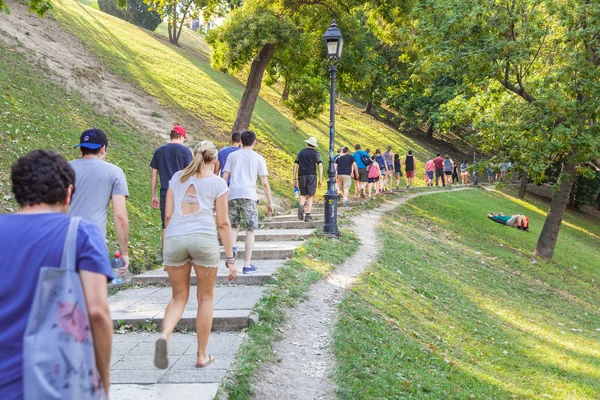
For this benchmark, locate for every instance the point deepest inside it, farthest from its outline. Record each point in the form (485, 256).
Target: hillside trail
(42, 40)
(305, 361)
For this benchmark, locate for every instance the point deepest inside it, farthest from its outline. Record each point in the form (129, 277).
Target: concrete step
(292, 225)
(232, 305)
(266, 269)
(276, 250)
(278, 235)
(294, 217)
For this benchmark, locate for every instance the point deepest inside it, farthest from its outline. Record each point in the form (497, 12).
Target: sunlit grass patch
(457, 306)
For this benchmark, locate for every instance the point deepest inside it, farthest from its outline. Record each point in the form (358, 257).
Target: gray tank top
(447, 165)
(388, 158)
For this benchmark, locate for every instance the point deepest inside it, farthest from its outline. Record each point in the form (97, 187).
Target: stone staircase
(132, 371)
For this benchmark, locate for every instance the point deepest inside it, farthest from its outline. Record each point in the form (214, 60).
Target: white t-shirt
(208, 190)
(244, 167)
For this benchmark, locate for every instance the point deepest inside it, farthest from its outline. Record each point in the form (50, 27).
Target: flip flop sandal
(160, 354)
(211, 359)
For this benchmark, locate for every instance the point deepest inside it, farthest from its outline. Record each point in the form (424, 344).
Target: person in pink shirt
(429, 168)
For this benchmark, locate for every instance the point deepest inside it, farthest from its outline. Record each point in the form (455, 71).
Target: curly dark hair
(41, 176)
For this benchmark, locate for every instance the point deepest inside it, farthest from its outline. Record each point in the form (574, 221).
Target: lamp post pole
(330, 227)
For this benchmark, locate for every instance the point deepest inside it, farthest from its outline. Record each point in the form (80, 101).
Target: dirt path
(70, 62)
(306, 360)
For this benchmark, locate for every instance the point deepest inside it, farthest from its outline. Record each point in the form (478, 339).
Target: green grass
(312, 261)
(207, 100)
(37, 113)
(456, 307)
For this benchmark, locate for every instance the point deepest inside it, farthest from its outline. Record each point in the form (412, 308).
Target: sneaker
(347, 204)
(362, 193)
(301, 213)
(234, 252)
(250, 269)
(308, 218)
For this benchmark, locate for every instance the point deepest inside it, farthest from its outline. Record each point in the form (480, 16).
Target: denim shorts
(202, 249)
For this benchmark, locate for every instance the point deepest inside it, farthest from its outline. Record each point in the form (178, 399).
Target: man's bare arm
(153, 182)
(119, 203)
(267, 188)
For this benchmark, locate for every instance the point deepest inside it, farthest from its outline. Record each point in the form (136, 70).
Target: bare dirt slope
(71, 63)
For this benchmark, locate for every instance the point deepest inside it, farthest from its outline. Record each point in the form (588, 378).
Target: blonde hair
(204, 152)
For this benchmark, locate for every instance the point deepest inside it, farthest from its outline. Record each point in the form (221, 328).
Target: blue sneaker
(250, 270)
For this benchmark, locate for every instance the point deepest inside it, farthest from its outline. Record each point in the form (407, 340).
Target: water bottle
(116, 265)
(296, 192)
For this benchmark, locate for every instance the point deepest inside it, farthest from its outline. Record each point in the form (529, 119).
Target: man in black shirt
(346, 169)
(168, 159)
(305, 170)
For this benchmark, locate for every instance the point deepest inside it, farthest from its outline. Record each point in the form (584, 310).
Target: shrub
(136, 12)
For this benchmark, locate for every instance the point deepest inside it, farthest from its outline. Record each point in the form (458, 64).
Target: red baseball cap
(179, 129)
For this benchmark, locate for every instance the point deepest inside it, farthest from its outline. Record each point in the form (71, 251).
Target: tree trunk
(523, 186)
(286, 91)
(369, 107)
(257, 70)
(429, 134)
(547, 240)
(598, 202)
(181, 26)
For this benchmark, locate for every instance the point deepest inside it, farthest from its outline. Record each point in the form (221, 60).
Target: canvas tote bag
(58, 352)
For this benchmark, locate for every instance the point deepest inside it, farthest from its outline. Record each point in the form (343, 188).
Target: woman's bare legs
(180, 285)
(206, 278)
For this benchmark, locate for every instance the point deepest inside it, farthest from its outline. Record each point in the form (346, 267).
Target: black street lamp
(334, 42)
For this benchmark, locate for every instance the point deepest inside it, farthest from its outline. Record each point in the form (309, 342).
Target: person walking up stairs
(242, 169)
(305, 177)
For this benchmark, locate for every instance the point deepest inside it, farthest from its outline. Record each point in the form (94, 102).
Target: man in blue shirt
(168, 159)
(236, 144)
(43, 185)
(363, 173)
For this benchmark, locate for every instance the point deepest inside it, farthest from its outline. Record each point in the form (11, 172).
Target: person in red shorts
(409, 165)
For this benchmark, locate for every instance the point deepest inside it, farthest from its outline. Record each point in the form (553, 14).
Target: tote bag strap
(70, 250)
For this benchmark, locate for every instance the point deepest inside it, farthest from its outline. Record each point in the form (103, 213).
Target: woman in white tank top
(195, 195)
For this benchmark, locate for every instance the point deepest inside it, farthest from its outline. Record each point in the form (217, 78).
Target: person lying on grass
(517, 221)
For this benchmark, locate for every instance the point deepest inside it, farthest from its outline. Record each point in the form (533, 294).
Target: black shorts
(363, 175)
(374, 180)
(448, 173)
(163, 202)
(307, 185)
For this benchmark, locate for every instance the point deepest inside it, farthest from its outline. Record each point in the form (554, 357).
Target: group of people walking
(369, 173)
(205, 194)
(446, 170)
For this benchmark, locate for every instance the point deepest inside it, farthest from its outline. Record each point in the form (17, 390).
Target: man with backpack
(363, 160)
(56, 338)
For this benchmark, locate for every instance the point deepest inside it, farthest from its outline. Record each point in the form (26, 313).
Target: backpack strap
(69, 256)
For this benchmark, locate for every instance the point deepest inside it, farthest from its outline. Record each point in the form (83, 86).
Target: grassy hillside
(456, 307)
(37, 113)
(183, 81)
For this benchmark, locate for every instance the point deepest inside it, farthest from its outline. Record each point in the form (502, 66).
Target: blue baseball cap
(93, 139)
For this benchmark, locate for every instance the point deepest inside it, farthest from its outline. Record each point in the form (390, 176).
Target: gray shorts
(246, 209)
(202, 249)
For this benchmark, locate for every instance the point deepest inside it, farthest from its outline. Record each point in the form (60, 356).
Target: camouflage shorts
(246, 208)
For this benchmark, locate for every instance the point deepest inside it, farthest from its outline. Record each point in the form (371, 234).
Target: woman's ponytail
(204, 152)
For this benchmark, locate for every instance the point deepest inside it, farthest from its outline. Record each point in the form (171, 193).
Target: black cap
(93, 139)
